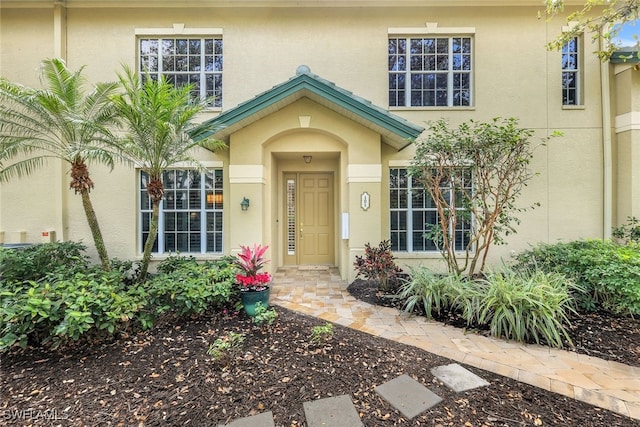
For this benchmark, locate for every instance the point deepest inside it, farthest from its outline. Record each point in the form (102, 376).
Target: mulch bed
(164, 377)
(595, 334)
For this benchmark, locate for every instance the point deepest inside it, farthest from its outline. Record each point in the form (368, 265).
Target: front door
(309, 230)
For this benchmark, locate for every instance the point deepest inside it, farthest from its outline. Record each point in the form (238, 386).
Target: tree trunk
(151, 240)
(92, 219)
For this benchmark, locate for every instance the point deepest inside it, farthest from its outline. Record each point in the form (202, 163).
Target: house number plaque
(364, 201)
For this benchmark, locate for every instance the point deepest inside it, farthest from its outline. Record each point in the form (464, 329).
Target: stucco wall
(513, 76)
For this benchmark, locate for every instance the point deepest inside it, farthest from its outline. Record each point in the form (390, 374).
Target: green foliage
(517, 305)
(59, 308)
(65, 300)
(191, 288)
(264, 315)
(225, 347)
(59, 121)
(321, 334)
(176, 262)
(527, 305)
(608, 272)
(157, 117)
(629, 232)
(474, 174)
(437, 294)
(127, 269)
(603, 23)
(378, 264)
(38, 261)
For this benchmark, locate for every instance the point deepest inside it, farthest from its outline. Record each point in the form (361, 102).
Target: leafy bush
(60, 309)
(378, 264)
(36, 262)
(264, 315)
(527, 305)
(629, 232)
(609, 273)
(517, 305)
(190, 288)
(175, 262)
(437, 294)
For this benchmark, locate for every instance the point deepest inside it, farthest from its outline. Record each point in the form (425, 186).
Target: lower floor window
(414, 215)
(190, 218)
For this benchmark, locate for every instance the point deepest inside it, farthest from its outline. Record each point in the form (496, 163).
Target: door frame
(291, 226)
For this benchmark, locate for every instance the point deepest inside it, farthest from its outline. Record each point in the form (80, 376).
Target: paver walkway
(320, 292)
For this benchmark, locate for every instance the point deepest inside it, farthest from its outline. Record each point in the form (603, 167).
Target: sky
(629, 35)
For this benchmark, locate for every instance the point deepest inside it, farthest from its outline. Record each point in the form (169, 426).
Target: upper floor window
(430, 71)
(193, 60)
(190, 213)
(571, 72)
(414, 216)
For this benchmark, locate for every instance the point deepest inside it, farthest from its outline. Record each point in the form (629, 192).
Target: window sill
(212, 256)
(574, 107)
(472, 108)
(414, 255)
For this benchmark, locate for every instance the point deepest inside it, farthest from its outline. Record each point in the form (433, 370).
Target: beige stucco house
(319, 102)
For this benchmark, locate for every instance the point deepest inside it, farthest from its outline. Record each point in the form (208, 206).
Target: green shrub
(264, 315)
(527, 306)
(608, 272)
(629, 232)
(190, 288)
(437, 293)
(36, 262)
(175, 262)
(60, 309)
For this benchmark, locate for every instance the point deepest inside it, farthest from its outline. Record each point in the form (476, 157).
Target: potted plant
(254, 286)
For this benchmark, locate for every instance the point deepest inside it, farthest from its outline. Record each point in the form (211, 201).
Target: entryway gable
(394, 130)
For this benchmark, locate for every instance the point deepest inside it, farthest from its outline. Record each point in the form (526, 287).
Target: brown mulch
(164, 377)
(595, 334)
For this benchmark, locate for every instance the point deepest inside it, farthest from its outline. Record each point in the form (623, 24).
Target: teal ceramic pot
(251, 298)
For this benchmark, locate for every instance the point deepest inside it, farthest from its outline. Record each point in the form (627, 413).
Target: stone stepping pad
(458, 378)
(264, 419)
(335, 411)
(408, 396)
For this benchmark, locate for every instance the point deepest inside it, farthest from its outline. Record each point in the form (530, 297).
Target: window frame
(178, 31)
(217, 209)
(576, 71)
(451, 71)
(410, 229)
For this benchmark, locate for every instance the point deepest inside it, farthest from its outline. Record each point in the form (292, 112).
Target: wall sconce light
(244, 204)
(307, 159)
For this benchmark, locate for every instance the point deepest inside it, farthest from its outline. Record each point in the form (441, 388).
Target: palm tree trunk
(151, 240)
(92, 219)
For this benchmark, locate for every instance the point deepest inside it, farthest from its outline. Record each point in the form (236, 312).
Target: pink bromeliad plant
(250, 261)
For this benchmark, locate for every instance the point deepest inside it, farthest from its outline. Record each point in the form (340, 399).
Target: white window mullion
(407, 71)
(450, 87)
(203, 211)
(160, 235)
(409, 213)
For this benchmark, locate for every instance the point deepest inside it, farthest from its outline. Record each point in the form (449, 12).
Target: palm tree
(157, 116)
(59, 121)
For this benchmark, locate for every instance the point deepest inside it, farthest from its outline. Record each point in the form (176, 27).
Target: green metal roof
(622, 56)
(394, 130)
